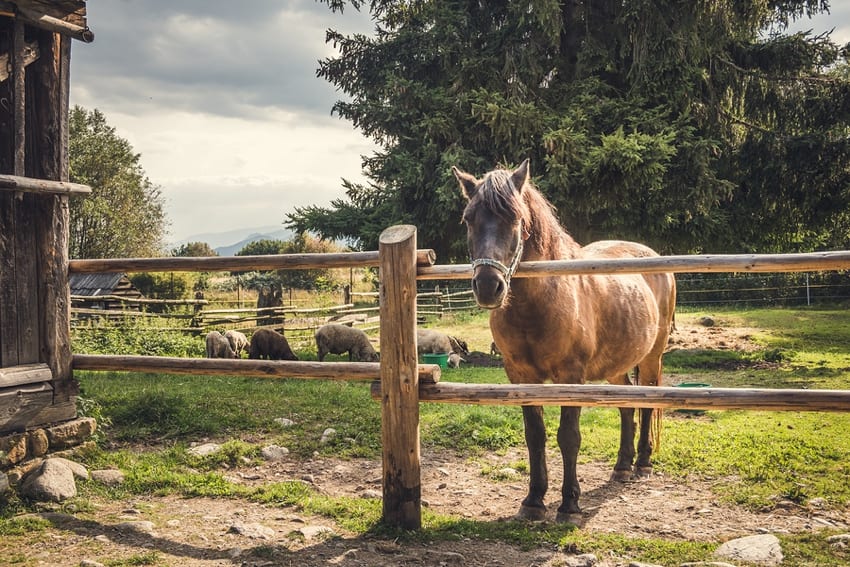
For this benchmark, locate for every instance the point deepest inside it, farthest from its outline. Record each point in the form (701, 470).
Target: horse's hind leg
(533, 507)
(626, 455)
(569, 440)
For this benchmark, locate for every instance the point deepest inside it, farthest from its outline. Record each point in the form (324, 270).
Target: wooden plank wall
(34, 292)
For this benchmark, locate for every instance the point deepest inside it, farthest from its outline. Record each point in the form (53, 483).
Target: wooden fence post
(399, 379)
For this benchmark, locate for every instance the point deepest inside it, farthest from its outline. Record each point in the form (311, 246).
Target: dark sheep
(271, 345)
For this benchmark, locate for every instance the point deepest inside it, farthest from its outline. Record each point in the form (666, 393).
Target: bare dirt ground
(216, 532)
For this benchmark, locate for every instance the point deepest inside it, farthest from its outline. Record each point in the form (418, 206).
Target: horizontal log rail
(354, 371)
(141, 300)
(238, 263)
(632, 396)
(21, 184)
(57, 25)
(804, 262)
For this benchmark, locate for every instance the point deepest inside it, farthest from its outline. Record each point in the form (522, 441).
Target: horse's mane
(539, 219)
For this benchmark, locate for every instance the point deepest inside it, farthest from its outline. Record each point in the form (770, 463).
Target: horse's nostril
(500, 286)
(475, 285)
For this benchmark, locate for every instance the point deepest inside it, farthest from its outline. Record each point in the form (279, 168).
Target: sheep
(433, 341)
(455, 360)
(338, 339)
(218, 346)
(238, 342)
(271, 345)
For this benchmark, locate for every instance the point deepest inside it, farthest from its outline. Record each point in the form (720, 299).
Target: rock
(53, 481)
(204, 449)
(79, 470)
(138, 526)
(706, 321)
(284, 422)
(583, 560)
(253, 531)
(312, 532)
(37, 443)
(639, 564)
(13, 449)
(759, 549)
(109, 477)
(839, 538)
(90, 563)
(71, 433)
(274, 453)
(707, 564)
(369, 493)
(327, 435)
(4, 482)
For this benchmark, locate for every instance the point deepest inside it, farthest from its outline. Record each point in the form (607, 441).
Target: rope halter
(507, 271)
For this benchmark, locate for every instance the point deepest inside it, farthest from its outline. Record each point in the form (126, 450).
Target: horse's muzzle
(489, 288)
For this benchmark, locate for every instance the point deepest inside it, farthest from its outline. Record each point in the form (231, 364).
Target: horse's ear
(520, 175)
(468, 183)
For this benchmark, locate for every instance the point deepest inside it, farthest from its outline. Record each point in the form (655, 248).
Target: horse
(568, 329)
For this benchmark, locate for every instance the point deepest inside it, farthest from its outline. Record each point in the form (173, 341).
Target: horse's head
(496, 218)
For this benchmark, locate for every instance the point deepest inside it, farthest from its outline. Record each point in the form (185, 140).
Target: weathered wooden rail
(404, 383)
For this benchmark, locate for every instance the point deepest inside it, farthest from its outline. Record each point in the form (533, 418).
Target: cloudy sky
(222, 101)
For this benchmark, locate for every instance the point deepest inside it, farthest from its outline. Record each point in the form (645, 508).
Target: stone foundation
(22, 452)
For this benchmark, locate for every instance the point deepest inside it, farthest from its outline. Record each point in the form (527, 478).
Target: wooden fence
(404, 383)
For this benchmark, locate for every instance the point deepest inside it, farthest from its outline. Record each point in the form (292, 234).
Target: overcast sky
(222, 101)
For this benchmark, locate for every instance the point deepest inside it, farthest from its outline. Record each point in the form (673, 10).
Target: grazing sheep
(433, 341)
(271, 345)
(238, 342)
(455, 360)
(338, 339)
(218, 346)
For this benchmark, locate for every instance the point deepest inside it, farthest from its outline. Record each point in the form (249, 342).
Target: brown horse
(567, 329)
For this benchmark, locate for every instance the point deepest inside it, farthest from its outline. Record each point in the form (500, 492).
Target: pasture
(718, 475)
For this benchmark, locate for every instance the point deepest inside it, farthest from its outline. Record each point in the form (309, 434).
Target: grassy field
(758, 458)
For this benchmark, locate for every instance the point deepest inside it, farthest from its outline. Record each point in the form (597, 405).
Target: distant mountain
(230, 242)
(232, 249)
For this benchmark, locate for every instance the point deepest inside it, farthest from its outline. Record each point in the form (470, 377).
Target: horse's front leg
(626, 455)
(643, 466)
(533, 507)
(569, 440)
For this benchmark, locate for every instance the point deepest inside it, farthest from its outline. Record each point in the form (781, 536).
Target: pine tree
(692, 126)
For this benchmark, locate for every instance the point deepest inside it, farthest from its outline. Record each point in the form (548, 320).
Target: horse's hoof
(621, 475)
(643, 472)
(574, 518)
(532, 513)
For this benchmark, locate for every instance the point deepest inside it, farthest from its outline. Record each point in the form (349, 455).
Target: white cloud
(223, 105)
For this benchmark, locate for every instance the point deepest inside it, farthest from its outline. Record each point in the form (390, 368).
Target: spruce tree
(690, 126)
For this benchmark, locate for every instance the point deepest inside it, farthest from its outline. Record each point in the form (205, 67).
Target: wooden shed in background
(104, 291)
(36, 384)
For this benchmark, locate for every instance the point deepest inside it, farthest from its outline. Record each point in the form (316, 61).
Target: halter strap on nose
(507, 271)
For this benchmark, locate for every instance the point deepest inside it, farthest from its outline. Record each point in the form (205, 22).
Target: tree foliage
(124, 216)
(194, 250)
(696, 127)
(302, 243)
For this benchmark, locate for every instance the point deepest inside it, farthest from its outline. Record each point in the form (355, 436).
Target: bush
(136, 339)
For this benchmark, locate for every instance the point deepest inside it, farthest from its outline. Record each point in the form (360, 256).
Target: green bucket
(439, 358)
(692, 385)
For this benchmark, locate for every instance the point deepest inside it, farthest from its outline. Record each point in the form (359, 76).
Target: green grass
(755, 458)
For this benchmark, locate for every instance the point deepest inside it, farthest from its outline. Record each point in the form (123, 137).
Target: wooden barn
(36, 383)
(103, 291)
